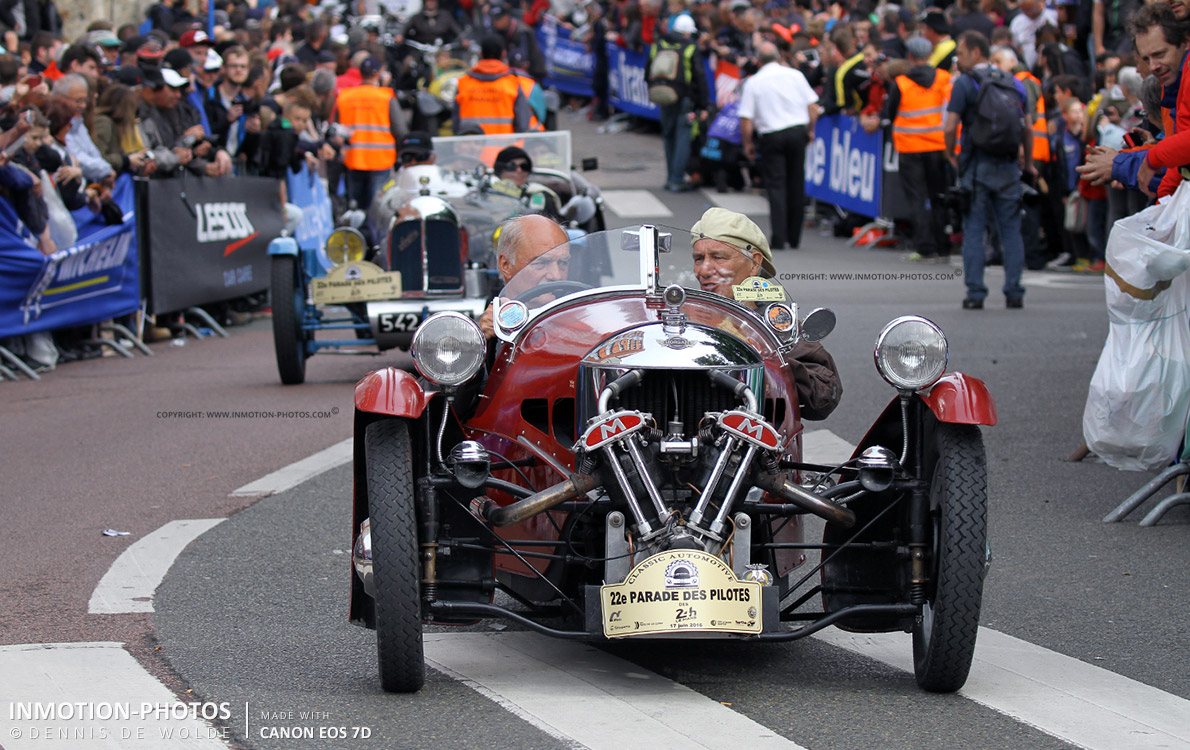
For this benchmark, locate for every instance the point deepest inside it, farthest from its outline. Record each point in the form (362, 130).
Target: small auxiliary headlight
(911, 353)
(448, 349)
(345, 244)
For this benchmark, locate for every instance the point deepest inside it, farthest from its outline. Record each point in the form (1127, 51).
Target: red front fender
(961, 399)
(392, 392)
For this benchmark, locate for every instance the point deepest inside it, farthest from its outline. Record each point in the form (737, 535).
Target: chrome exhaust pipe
(570, 489)
(779, 485)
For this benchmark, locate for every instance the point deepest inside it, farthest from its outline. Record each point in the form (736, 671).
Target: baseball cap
(734, 229)
(684, 24)
(417, 141)
(325, 56)
(740, 5)
(919, 47)
(150, 49)
(213, 61)
(129, 75)
(103, 38)
(371, 66)
(173, 79)
(936, 20)
(193, 37)
(497, 10)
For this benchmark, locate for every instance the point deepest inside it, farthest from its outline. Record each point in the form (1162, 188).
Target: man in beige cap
(729, 248)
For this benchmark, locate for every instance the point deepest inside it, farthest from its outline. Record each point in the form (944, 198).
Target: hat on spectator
(325, 56)
(150, 77)
(222, 18)
(129, 75)
(507, 154)
(150, 49)
(173, 79)
(936, 20)
(103, 38)
(416, 142)
(734, 229)
(213, 61)
(497, 10)
(919, 47)
(178, 59)
(193, 37)
(370, 66)
(737, 5)
(684, 24)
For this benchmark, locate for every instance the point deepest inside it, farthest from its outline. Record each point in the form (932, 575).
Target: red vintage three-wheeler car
(624, 460)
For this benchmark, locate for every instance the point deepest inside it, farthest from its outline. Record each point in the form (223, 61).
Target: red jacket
(1174, 150)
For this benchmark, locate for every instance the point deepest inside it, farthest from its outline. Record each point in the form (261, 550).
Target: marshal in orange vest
(365, 109)
(917, 128)
(1041, 139)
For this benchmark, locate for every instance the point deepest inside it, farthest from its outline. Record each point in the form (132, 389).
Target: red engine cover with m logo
(612, 427)
(751, 428)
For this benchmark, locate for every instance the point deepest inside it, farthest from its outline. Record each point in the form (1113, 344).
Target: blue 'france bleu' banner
(626, 82)
(844, 165)
(96, 279)
(307, 192)
(569, 66)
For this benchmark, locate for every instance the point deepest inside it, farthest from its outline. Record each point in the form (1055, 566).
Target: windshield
(602, 260)
(466, 152)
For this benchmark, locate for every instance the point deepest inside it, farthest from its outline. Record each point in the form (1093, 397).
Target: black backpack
(999, 119)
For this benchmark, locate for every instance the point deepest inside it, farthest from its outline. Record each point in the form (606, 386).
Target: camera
(957, 199)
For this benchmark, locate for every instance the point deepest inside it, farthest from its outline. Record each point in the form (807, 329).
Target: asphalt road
(253, 612)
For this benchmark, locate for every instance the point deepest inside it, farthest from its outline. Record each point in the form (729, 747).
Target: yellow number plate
(681, 591)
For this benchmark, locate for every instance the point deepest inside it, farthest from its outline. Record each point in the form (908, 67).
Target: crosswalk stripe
(97, 696)
(297, 472)
(635, 204)
(576, 692)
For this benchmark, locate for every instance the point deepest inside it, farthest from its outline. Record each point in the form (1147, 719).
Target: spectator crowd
(273, 85)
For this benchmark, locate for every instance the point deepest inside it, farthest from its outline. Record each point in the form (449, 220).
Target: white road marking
(1061, 280)
(635, 204)
(744, 203)
(103, 690)
(1077, 702)
(559, 686)
(129, 584)
(296, 473)
(1060, 695)
(825, 447)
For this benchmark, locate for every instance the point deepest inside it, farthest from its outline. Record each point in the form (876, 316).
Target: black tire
(289, 308)
(395, 559)
(944, 634)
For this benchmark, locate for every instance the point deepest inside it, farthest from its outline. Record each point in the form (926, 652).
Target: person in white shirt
(1025, 24)
(779, 106)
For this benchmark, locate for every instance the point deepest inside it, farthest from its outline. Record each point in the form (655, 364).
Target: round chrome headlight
(911, 353)
(448, 349)
(345, 244)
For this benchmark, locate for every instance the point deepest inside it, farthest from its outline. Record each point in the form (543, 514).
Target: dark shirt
(973, 22)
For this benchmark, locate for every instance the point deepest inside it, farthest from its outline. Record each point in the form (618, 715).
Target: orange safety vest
(917, 128)
(364, 109)
(527, 83)
(1041, 137)
(487, 97)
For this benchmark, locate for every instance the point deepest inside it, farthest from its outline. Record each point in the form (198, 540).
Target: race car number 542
(398, 322)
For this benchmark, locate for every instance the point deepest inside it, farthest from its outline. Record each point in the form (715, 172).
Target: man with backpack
(677, 85)
(990, 104)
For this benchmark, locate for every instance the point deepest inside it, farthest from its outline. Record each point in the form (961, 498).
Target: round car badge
(353, 273)
(756, 289)
(780, 317)
(513, 315)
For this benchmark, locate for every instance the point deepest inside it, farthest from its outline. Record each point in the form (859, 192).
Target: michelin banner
(206, 239)
(95, 280)
(844, 165)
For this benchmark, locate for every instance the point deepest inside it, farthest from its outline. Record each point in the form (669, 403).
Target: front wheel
(289, 310)
(396, 570)
(944, 634)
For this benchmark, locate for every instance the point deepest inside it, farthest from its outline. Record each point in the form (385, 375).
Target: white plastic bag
(1139, 398)
(63, 231)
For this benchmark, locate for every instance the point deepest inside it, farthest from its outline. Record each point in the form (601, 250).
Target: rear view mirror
(818, 324)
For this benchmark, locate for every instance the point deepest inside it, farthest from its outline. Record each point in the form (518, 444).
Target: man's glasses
(522, 166)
